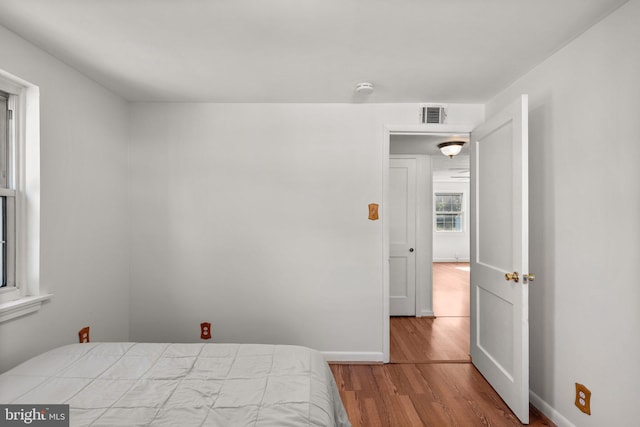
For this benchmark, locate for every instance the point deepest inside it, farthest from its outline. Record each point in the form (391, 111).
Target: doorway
(451, 253)
(426, 336)
(499, 324)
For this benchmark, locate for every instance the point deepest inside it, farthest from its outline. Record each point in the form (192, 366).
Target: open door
(500, 254)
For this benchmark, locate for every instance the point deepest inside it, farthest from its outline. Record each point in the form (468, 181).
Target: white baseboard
(549, 411)
(427, 313)
(353, 356)
(451, 260)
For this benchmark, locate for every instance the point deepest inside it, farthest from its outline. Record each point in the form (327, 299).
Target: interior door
(499, 246)
(402, 232)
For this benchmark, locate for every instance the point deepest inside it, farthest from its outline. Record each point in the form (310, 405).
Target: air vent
(432, 114)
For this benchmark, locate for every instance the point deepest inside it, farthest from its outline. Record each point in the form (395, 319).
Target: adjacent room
(431, 190)
(324, 213)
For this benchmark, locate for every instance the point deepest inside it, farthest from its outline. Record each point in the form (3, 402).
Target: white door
(499, 246)
(402, 232)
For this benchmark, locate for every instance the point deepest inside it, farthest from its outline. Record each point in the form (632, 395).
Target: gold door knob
(528, 277)
(512, 276)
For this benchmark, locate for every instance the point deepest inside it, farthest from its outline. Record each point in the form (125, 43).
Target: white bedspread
(136, 384)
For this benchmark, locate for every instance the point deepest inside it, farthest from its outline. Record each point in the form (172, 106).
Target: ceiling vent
(430, 113)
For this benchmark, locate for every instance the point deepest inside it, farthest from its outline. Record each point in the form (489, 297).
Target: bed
(140, 384)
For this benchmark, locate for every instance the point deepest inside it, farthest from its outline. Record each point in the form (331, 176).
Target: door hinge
(10, 114)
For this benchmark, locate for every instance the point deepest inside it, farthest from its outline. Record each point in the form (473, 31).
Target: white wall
(254, 217)
(449, 246)
(585, 233)
(84, 259)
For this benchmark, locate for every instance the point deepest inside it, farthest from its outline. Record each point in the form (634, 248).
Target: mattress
(142, 384)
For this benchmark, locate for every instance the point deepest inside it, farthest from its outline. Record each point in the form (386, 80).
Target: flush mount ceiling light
(451, 148)
(364, 88)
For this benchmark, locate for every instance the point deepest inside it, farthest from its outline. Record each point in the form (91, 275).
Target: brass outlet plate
(583, 398)
(373, 211)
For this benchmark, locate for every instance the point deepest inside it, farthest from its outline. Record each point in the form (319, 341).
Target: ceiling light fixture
(364, 88)
(451, 148)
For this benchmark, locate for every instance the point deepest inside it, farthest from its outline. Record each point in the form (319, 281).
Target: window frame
(9, 290)
(459, 214)
(24, 182)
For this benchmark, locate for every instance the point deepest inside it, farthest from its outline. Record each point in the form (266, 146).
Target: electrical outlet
(583, 398)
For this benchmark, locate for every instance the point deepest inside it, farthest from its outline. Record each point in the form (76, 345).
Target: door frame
(430, 129)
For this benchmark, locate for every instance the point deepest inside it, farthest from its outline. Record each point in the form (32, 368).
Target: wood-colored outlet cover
(205, 330)
(583, 398)
(373, 211)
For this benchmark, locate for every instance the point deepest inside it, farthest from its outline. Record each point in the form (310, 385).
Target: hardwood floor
(413, 395)
(451, 289)
(431, 381)
(429, 340)
(444, 338)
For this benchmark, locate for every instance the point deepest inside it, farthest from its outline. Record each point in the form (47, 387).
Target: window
(20, 291)
(7, 197)
(448, 212)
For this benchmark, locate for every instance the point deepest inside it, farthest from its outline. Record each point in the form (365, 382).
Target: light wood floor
(431, 381)
(451, 289)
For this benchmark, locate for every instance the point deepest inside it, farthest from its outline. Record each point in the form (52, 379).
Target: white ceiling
(425, 143)
(303, 50)
(443, 168)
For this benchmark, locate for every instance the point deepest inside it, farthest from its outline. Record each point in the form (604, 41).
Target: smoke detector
(364, 88)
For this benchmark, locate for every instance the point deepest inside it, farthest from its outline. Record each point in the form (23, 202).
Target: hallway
(445, 337)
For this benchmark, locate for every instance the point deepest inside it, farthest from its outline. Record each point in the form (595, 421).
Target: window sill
(22, 306)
